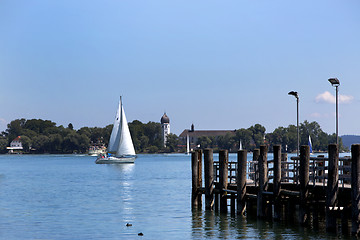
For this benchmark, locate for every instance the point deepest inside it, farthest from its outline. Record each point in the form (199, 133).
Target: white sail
(240, 146)
(187, 144)
(125, 147)
(115, 133)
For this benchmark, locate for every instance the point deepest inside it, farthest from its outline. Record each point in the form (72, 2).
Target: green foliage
(3, 144)
(172, 142)
(147, 137)
(43, 136)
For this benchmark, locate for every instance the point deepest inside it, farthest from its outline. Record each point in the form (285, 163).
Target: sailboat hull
(115, 160)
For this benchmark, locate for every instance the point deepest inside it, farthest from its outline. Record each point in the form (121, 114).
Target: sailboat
(310, 144)
(187, 145)
(120, 143)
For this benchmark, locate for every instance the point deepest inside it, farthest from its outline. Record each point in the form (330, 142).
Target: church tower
(165, 126)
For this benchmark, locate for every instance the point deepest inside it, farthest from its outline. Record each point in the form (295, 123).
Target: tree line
(255, 136)
(44, 136)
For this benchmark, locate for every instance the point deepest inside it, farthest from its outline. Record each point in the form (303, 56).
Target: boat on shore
(121, 148)
(96, 150)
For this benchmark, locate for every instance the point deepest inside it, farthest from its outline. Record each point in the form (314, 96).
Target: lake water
(71, 197)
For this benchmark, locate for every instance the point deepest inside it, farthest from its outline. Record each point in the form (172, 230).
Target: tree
(172, 142)
(258, 134)
(39, 143)
(245, 136)
(25, 142)
(3, 144)
(204, 142)
(15, 128)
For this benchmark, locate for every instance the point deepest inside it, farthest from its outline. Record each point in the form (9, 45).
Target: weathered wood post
(332, 187)
(263, 182)
(223, 178)
(355, 189)
(241, 181)
(304, 182)
(284, 167)
(209, 178)
(277, 182)
(195, 179)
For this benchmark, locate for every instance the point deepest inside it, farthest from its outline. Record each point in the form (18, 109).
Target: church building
(165, 127)
(193, 135)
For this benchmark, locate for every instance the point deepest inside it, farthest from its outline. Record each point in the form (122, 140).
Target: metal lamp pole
(295, 94)
(336, 83)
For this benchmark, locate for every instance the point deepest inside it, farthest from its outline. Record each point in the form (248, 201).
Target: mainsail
(115, 133)
(187, 144)
(310, 144)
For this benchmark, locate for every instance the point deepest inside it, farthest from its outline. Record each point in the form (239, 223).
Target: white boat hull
(114, 160)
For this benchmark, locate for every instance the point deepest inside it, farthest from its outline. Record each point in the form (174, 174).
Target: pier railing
(318, 170)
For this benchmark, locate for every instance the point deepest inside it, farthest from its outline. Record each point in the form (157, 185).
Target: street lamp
(295, 94)
(336, 83)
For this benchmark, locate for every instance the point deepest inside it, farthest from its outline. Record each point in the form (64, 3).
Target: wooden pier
(280, 188)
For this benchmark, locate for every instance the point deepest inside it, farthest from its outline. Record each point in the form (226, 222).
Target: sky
(219, 65)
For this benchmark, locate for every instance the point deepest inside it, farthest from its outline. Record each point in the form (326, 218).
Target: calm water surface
(71, 197)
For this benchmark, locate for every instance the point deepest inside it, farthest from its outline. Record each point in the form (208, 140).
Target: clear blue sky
(217, 64)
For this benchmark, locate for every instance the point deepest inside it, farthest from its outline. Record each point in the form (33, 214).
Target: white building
(165, 126)
(15, 145)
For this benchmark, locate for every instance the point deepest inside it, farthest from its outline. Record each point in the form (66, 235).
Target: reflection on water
(213, 225)
(127, 168)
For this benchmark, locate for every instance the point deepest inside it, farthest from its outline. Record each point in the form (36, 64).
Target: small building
(15, 145)
(193, 135)
(165, 127)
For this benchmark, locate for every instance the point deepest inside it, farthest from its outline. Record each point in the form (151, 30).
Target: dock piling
(223, 178)
(304, 182)
(355, 189)
(332, 188)
(241, 181)
(277, 182)
(263, 182)
(196, 164)
(209, 178)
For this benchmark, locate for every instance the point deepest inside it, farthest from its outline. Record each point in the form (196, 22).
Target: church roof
(165, 119)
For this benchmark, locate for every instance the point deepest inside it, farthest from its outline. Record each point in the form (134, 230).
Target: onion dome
(165, 119)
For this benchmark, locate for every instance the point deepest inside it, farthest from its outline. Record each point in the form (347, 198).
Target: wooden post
(223, 178)
(304, 182)
(195, 179)
(277, 182)
(200, 153)
(332, 187)
(284, 167)
(263, 182)
(355, 189)
(209, 178)
(241, 181)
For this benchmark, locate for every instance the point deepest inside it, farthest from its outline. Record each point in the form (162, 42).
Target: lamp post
(336, 83)
(295, 94)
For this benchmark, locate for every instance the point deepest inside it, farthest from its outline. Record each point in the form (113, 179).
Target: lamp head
(293, 93)
(334, 82)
